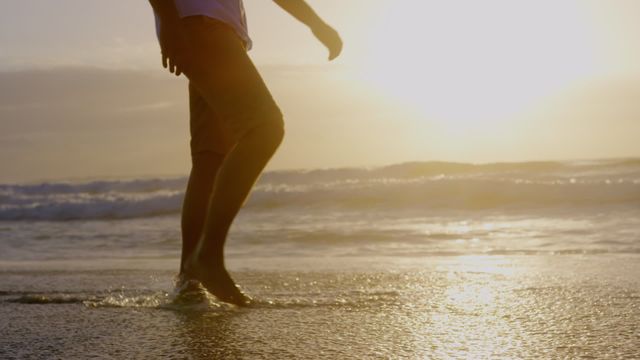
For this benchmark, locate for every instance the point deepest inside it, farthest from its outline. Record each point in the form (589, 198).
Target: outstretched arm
(300, 10)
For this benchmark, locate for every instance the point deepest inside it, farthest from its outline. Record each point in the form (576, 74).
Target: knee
(277, 131)
(271, 131)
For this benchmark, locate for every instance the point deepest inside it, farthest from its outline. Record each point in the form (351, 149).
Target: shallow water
(418, 260)
(530, 306)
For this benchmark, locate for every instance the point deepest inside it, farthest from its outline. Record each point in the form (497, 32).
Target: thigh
(226, 78)
(208, 134)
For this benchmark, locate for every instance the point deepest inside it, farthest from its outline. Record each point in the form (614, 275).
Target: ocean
(415, 260)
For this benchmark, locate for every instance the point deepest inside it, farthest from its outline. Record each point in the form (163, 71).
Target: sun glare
(478, 64)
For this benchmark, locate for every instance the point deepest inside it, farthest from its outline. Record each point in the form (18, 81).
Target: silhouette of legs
(235, 178)
(241, 107)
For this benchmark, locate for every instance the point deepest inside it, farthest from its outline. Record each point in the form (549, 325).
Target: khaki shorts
(227, 96)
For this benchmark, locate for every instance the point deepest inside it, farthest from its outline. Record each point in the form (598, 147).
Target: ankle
(211, 257)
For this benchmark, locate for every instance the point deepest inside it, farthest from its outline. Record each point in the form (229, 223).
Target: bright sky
(82, 93)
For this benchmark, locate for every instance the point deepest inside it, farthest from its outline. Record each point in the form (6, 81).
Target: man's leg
(237, 175)
(209, 145)
(229, 82)
(218, 187)
(204, 168)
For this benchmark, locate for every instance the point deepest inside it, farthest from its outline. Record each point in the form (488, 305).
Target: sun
(477, 64)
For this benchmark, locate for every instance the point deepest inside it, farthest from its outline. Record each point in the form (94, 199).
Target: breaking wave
(416, 185)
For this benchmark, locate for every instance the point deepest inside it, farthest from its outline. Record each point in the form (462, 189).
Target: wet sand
(531, 306)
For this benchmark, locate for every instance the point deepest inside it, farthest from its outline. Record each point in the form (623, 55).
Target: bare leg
(228, 81)
(204, 168)
(237, 175)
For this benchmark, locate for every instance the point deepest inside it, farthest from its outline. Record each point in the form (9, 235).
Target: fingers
(172, 65)
(169, 63)
(331, 40)
(176, 66)
(335, 47)
(335, 50)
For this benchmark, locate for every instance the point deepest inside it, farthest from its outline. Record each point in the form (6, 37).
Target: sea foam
(415, 185)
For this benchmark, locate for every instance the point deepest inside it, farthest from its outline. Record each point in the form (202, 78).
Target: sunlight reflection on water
(474, 307)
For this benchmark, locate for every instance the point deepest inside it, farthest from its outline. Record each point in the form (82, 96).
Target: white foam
(410, 185)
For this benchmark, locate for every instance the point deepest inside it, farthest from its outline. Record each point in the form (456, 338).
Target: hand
(330, 38)
(176, 54)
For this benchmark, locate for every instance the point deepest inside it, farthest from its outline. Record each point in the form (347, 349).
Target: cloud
(147, 107)
(79, 85)
(70, 122)
(77, 121)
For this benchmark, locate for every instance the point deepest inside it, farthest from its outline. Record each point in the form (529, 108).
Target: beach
(420, 260)
(564, 306)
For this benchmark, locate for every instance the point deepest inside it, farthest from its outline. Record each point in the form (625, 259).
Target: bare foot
(188, 291)
(217, 281)
(185, 284)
